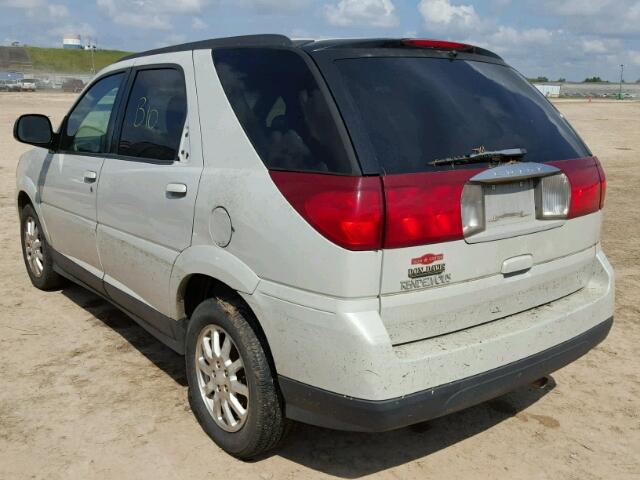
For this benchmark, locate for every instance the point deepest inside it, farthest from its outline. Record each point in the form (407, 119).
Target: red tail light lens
(417, 208)
(603, 182)
(586, 190)
(436, 44)
(346, 210)
(424, 208)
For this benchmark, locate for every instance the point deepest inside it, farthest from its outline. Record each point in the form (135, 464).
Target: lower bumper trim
(316, 406)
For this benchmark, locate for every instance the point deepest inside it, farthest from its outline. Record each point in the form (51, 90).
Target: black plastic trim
(69, 268)
(264, 40)
(169, 331)
(316, 406)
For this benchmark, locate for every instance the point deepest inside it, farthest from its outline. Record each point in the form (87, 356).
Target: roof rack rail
(265, 40)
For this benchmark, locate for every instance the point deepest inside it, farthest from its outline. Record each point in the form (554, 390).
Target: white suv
(28, 85)
(357, 234)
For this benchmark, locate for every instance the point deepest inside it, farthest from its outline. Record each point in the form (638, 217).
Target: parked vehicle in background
(72, 85)
(355, 234)
(3, 86)
(28, 85)
(13, 86)
(43, 84)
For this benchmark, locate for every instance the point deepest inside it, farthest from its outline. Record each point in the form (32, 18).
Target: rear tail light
(424, 208)
(603, 182)
(552, 197)
(395, 211)
(346, 210)
(586, 188)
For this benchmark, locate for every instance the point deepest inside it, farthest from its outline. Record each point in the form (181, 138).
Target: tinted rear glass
(282, 109)
(416, 110)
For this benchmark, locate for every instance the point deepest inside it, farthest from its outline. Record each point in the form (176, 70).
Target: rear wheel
(232, 390)
(36, 251)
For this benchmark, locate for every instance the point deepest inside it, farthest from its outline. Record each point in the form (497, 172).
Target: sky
(571, 39)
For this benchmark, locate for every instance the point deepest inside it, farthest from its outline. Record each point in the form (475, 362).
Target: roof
(267, 40)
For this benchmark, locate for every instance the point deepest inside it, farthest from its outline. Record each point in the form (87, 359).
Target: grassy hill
(71, 61)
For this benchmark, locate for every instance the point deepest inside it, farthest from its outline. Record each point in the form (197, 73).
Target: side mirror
(34, 129)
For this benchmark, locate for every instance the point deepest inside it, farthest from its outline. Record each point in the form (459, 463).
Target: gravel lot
(86, 393)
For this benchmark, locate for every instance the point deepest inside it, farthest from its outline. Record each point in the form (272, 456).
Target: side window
(282, 110)
(154, 116)
(88, 123)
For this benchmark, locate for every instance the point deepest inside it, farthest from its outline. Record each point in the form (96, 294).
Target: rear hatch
(491, 200)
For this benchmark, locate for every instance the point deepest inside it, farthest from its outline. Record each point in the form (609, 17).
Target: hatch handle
(513, 172)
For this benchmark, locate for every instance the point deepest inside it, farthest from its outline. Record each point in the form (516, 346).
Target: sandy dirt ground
(86, 393)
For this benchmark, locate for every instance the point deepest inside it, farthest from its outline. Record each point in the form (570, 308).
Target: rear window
(282, 110)
(417, 110)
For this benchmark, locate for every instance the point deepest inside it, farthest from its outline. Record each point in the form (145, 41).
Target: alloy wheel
(33, 247)
(221, 378)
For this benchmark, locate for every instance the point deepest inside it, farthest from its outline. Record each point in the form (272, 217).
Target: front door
(71, 178)
(148, 187)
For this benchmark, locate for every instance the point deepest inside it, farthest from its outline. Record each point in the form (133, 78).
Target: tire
(264, 425)
(34, 247)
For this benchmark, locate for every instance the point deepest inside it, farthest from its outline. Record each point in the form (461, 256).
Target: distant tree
(592, 80)
(538, 80)
(638, 80)
(562, 80)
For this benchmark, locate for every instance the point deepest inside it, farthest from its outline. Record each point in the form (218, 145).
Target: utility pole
(93, 65)
(621, 73)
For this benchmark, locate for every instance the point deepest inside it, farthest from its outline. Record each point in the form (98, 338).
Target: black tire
(265, 424)
(48, 279)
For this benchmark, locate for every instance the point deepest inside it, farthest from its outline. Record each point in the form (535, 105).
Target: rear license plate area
(508, 204)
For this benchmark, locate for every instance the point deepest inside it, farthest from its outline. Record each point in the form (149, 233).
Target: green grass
(61, 60)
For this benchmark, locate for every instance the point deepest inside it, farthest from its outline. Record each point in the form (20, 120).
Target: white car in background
(356, 234)
(12, 86)
(28, 85)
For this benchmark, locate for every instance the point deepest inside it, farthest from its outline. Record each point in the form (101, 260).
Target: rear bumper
(316, 406)
(343, 347)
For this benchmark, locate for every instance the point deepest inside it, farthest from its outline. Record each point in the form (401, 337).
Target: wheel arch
(198, 287)
(27, 196)
(207, 261)
(23, 199)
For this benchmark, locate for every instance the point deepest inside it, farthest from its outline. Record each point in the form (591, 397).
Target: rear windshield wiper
(483, 156)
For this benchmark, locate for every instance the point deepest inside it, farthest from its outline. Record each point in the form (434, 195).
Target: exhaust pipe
(540, 383)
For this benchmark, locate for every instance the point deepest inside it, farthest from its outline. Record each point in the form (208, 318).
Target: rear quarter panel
(268, 234)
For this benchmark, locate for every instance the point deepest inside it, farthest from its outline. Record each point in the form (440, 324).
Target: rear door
(468, 241)
(148, 186)
(71, 179)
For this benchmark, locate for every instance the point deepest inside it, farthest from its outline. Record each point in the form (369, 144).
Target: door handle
(90, 176)
(176, 190)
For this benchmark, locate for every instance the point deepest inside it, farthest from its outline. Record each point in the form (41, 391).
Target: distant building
(552, 91)
(72, 41)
